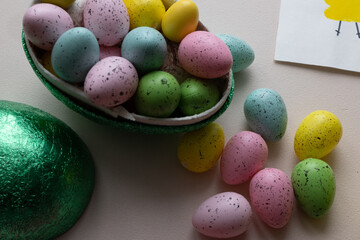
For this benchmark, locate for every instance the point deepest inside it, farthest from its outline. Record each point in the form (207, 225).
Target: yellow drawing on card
(344, 10)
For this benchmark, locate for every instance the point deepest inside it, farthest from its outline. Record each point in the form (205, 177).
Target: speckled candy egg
(317, 135)
(44, 23)
(272, 197)
(111, 81)
(198, 95)
(244, 155)
(200, 150)
(144, 47)
(107, 19)
(223, 215)
(243, 55)
(73, 55)
(314, 186)
(61, 3)
(204, 55)
(266, 114)
(147, 13)
(158, 94)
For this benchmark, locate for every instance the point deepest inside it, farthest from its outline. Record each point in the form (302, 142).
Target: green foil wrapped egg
(46, 174)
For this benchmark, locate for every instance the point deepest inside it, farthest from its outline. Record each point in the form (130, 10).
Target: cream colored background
(142, 192)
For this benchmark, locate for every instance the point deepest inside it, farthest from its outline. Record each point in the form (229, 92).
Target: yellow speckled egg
(46, 60)
(146, 13)
(61, 3)
(317, 135)
(180, 19)
(199, 150)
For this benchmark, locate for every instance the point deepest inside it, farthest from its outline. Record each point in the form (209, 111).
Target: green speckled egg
(158, 94)
(46, 174)
(314, 186)
(317, 135)
(198, 95)
(243, 55)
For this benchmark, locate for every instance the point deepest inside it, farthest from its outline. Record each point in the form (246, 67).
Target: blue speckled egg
(74, 53)
(266, 114)
(243, 55)
(145, 48)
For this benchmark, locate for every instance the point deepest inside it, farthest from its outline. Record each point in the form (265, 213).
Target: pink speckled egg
(244, 155)
(223, 215)
(204, 55)
(44, 23)
(272, 196)
(111, 81)
(111, 51)
(107, 19)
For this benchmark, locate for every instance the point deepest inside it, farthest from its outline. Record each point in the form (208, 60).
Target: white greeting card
(320, 32)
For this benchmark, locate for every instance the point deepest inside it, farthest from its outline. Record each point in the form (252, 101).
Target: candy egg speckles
(199, 150)
(44, 23)
(148, 13)
(108, 20)
(272, 196)
(144, 47)
(223, 215)
(111, 81)
(317, 135)
(244, 155)
(314, 186)
(266, 114)
(204, 55)
(158, 94)
(180, 19)
(198, 95)
(73, 55)
(243, 55)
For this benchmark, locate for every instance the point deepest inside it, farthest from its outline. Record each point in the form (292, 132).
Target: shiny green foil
(46, 174)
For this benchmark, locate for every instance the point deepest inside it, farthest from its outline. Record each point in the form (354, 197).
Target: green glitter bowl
(120, 117)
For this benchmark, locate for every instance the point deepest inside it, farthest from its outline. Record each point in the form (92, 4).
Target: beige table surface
(142, 191)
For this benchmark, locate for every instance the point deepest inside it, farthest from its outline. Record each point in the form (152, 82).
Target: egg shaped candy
(107, 19)
(204, 55)
(244, 155)
(46, 174)
(223, 215)
(266, 114)
(243, 55)
(73, 55)
(198, 95)
(168, 3)
(61, 3)
(180, 19)
(111, 82)
(272, 196)
(44, 23)
(148, 13)
(317, 135)
(144, 47)
(200, 150)
(158, 94)
(314, 186)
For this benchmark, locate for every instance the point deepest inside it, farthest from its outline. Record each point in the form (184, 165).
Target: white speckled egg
(44, 23)
(74, 53)
(244, 155)
(204, 55)
(145, 47)
(266, 114)
(243, 55)
(110, 82)
(107, 19)
(272, 196)
(223, 215)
